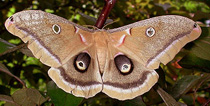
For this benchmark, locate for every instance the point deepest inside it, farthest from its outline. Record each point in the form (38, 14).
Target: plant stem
(109, 4)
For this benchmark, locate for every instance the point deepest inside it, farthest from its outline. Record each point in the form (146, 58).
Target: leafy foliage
(185, 80)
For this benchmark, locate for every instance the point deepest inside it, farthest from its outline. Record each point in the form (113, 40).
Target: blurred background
(24, 80)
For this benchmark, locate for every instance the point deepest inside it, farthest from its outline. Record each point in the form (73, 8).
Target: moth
(119, 62)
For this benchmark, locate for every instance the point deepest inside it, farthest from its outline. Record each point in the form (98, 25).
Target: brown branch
(109, 4)
(207, 103)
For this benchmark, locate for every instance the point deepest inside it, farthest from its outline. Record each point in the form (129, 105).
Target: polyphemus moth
(119, 62)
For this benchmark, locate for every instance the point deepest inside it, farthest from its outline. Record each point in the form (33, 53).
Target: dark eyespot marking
(82, 62)
(11, 18)
(123, 64)
(150, 31)
(56, 29)
(195, 25)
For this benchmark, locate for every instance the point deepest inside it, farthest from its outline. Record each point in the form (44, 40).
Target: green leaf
(195, 63)
(28, 97)
(6, 98)
(88, 20)
(188, 99)
(201, 47)
(5, 70)
(61, 98)
(11, 104)
(4, 89)
(161, 80)
(168, 99)
(152, 97)
(35, 96)
(201, 15)
(21, 98)
(184, 85)
(4, 45)
(134, 102)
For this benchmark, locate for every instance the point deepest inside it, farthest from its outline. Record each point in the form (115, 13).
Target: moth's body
(101, 40)
(119, 62)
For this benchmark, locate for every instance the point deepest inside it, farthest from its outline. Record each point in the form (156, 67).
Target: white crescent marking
(121, 40)
(128, 31)
(77, 29)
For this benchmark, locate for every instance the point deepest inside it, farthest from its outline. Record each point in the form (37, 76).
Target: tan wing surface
(57, 42)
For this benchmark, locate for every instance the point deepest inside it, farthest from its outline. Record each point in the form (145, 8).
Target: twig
(206, 104)
(109, 4)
